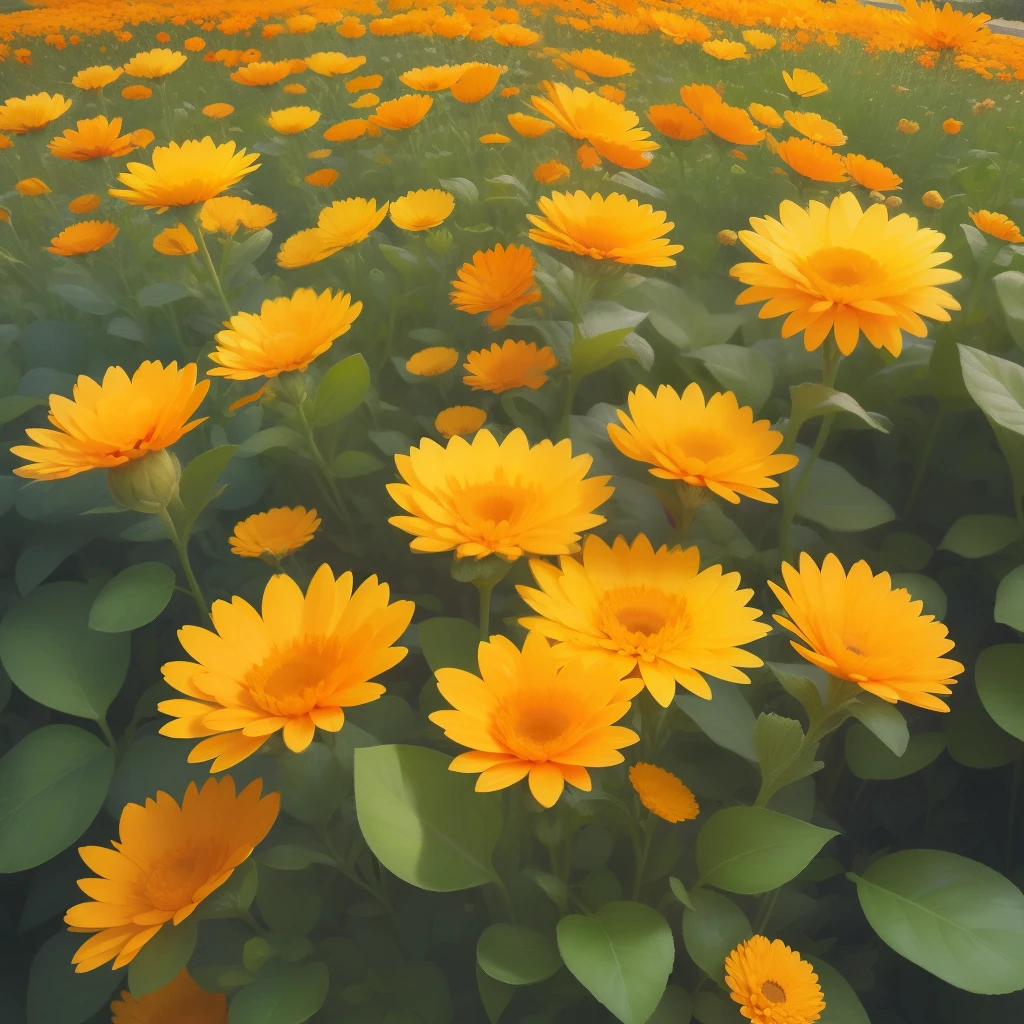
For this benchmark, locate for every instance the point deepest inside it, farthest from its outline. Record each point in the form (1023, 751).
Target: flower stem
(485, 589)
(208, 261)
(181, 546)
(328, 487)
(641, 853)
(570, 395)
(107, 734)
(922, 465)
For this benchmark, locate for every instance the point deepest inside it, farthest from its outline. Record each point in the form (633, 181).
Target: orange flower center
(496, 502)
(846, 268)
(172, 882)
(534, 726)
(290, 680)
(773, 992)
(640, 620)
(705, 445)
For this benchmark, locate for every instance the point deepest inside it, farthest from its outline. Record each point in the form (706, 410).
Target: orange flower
(494, 139)
(598, 64)
(218, 110)
(725, 49)
(528, 126)
(759, 40)
(84, 203)
(733, 124)
(363, 83)
(32, 187)
(458, 420)
(951, 126)
(345, 131)
(261, 73)
(497, 282)
(95, 137)
(513, 34)
(432, 79)
(768, 116)
(476, 82)
(550, 172)
(513, 364)
(871, 173)
(804, 83)
(84, 237)
(908, 127)
(610, 92)
(812, 160)
(136, 92)
(175, 241)
(815, 127)
(403, 112)
(998, 225)
(942, 29)
(588, 157)
(676, 122)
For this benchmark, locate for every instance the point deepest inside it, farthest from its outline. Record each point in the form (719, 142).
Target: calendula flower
(494, 139)
(951, 126)
(663, 793)
(475, 82)
(908, 127)
(772, 984)
(508, 499)
(933, 200)
(588, 157)
(432, 79)
(179, 1000)
(733, 124)
(998, 225)
(287, 334)
(604, 228)
(277, 532)
(260, 73)
(758, 39)
(942, 28)
(725, 49)
(111, 423)
(154, 63)
(677, 28)
(96, 77)
(218, 110)
(95, 137)
(840, 268)
(368, 99)
(497, 282)
(646, 612)
(345, 131)
(226, 213)
(168, 860)
(459, 420)
(763, 114)
(871, 173)
(293, 669)
(715, 445)
(812, 159)
(514, 34)
(294, 89)
(322, 178)
(421, 210)
(528, 126)
(550, 171)
(29, 114)
(303, 248)
(84, 203)
(292, 120)
(815, 127)
(331, 63)
(136, 92)
(32, 187)
(84, 237)
(513, 364)
(598, 64)
(194, 44)
(348, 222)
(404, 112)
(180, 175)
(176, 241)
(529, 715)
(857, 627)
(676, 122)
(804, 83)
(433, 361)
(362, 83)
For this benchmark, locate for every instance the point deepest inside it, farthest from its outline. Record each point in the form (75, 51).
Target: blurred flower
(194, 44)
(942, 29)
(363, 82)
(292, 120)
(812, 159)
(588, 157)
(727, 237)
(475, 82)
(265, 72)
(610, 92)
(514, 34)
(84, 237)
(141, 137)
(676, 122)
(294, 89)
(226, 213)
(513, 364)
(458, 420)
(550, 171)
(998, 225)
(179, 1000)
(497, 282)
(322, 178)
(345, 131)
(96, 77)
(218, 110)
(432, 79)
(804, 83)
(951, 126)
(32, 187)
(403, 112)
(908, 127)
(5, 141)
(176, 241)
(333, 63)
(421, 210)
(287, 334)
(168, 860)
(494, 139)
(871, 173)
(758, 39)
(677, 28)
(293, 669)
(508, 499)
(433, 361)
(154, 63)
(768, 116)
(733, 124)
(866, 632)
(815, 127)
(136, 92)
(598, 64)
(276, 532)
(725, 49)
(663, 793)
(84, 203)
(303, 248)
(95, 137)
(838, 268)
(31, 113)
(772, 984)
(368, 99)
(528, 126)
(933, 200)
(510, 90)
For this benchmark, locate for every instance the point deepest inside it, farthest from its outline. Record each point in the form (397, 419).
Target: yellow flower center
(773, 992)
(289, 681)
(172, 883)
(495, 502)
(640, 620)
(534, 725)
(705, 445)
(846, 268)
(644, 620)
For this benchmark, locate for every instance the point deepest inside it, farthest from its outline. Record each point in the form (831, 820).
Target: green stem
(922, 465)
(506, 898)
(570, 395)
(181, 546)
(328, 487)
(485, 589)
(1011, 817)
(641, 852)
(208, 261)
(246, 916)
(765, 912)
(225, 253)
(112, 743)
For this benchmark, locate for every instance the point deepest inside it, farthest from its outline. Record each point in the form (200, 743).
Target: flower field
(511, 513)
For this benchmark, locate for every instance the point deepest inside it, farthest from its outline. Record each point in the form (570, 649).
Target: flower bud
(148, 484)
(727, 237)
(439, 241)
(893, 202)
(933, 200)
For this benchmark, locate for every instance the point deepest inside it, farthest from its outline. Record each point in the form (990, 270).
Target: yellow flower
(31, 113)
(908, 127)
(294, 89)
(676, 122)
(332, 63)
(933, 200)
(598, 64)
(180, 175)
(604, 228)
(363, 82)
(759, 40)
(494, 139)
(804, 83)
(772, 984)
(345, 131)
(322, 178)
(528, 126)
(295, 668)
(423, 209)
(218, 110)
(277, 532)
(763, 114)
(663, 793)
(85, 203)
(497, 282)
(136, 92)
(528, 715)
(32, 187)
(432, 362)
(812, 159)
(856, 627)
(871, 173)
(998, 225)
(648, 613)
(476, 82)
(508, 499)
(226, 213)
(176, 241)
(154, 63)
(292, 120)
(261, 73)
(550, 171)
(942, 29)
(432, 79)
(458, 420)
(725, 49)
(303, 248)
(513, 364)
(287, 334)
(84, 237)
(733, 124)
(179, 1000)
(840, 268)
(109, 424)
(815, 127)
(368, 99)
(168, 860)
(95, 137)
(403, 112)
(96, 77)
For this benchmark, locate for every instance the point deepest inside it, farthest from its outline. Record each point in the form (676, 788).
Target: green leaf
(516, 955)
(798, 682)
(952, 916)
(674, 1007)
(751, 849)
(836, 500)
(997, 385)
(712, 1008)
(923, 589)
(291, 902)
(341, 390)
(679, 891)
(53, 656)
(52, 786)
(14, 406)
(744, 371)
(347, 465)
(423, 822)
(198, 480)
(56, 994)
(599, 339)
(495, 995)
(780, 754)
(291, 857)
(1010, 291)
(622, 955)
(841, 1003)
(638, 184)
(810, 400)
(135, 596)
(450, 643)
(242, 254)
(401, 259)
(464, 190)
(885, 720)
(998, 674)
(869, 758)
(979, 536)
(726, 719)
(162, 959)
(313, 783)
(1010, 599)
(712, 930)
(160, 293)
(88, 298)
(681, 319)
(264, 440)
(282, 994)
(975, 741)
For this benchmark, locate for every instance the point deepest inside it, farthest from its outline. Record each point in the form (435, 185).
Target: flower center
(534, 727)
(704, 445)
(635, 618)
(290, 679)
(773, 992)
(644, 620)
(496, 503)
(172, 882)
(846, 268)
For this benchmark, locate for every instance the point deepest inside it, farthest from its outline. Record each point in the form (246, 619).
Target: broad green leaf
(53, 656)
(290, 857)
(464, 190)
(450, 643)
(494, 994)
(56, 994)
(14, 406)
(622, 955)
(638, 184)
(401, 259)
(198, 480)
(341, 391)
(751, 849)
(681, 319)
(598, 340)
(162, 958)
(778, 742)
(152, 763)
(679, 891)
(52, 785)
(975, 741)
(954, 917)
(744, 371)
(250, 250)
(713, 1008)
(291, 902)
(980, 535)
(135, 596)
(282, 993)
(997, 385)
(833, 498)
(423, 822)
(347, 465)
(1010, 599)
(88, 298)
(160, 293)
(313, 783)
(869, 758)
(809, 400)
(806, 683)
(264, 440)
(841, 1003)
(516, 955)
(726, 719)
(712, 929)
(1009, 287)
(883, 719)
(999, 680)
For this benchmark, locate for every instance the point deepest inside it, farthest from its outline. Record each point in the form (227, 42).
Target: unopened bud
(148, 484)
(727, 237)
(440, 241)
(893, 202)
(933, 200)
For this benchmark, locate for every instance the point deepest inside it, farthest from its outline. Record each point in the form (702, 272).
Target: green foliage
(282, 994)
(516, 955)
(712, 928)
(134, 597)
(162, 958)
(341, 391)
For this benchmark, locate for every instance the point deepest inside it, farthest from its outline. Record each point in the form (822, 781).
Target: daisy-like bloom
(266, 72)
(732, 124)
(168, 860)
(331, 63)
(514, 34)
(195, 44)
(179, 1000)
(20, 115)
(218, 110)
(598, 64)
(177, 241)
(84, 203)
(363, 82)
(226, 213)
(715, 445)
(346, 131)
(677, 28)
(294, 89)
(421, 210)
(95, 137)
(277, 532)
(998, 225)
(292, 120)
(812, 159)
(942, 28)
(528, 126)
(906, 127)
(368, 99)
(186, 173)
(759, 40)
(772, 984)
(32, 187)
(648, 613)
(663, 793)
(675, 121)
(871, 173)
(951, 126)
(763, 114)
(857, 627)
(404, 112)
(111, 423)
(494, 139)
(433, 361)
(804, 83)
(154, 63)
(529, 715)
(348, 222)
(432, 79)
(96, 77)
(294, 669)
(322, 178)
(136, 92)
(933, 200)
(550, 171)
(459, 420)
(725, 49)
(287, 334)
(497, 282)
(303, 248)
(507, 499)
(838, 267)
(476, 82)
(84, 237)
(604, 228)
(513, 364)
(815, 127)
